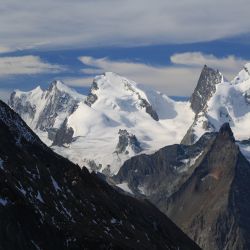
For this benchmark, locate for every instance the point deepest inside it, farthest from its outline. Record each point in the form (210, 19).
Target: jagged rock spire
(205, 88)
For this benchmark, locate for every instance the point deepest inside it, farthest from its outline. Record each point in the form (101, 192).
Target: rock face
(217, 216)
(45, 110)
(247, 96)
(47, 202)
(22, 107)
(149, 109)
(205, 88)
(209, 199)
(57, 102)
(143, 103)
(92, 97)
(127, 142)
(63, 135)
(161, 174)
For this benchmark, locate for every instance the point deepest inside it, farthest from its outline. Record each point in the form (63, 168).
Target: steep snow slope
(117, 114)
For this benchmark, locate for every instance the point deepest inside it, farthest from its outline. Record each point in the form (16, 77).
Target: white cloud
(112, 22)
(78, 81)
(228, 65)
(170, 80)
(180, 78)
(26, 65)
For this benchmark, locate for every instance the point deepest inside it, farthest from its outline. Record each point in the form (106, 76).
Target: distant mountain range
(85, 129)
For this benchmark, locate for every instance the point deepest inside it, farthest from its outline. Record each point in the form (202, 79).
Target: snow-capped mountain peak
(86, 129)
(59, 86)
(45, 110)
(229, 102)
(120, 93)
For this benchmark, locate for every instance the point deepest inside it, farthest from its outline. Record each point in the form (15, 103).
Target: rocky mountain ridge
(202, 187)
(216, 101)
(47, 202)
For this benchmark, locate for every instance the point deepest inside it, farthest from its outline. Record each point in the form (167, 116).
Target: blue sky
(158, 43)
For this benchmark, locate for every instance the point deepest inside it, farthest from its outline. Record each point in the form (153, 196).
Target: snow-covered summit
(110, 88)
(86, 129)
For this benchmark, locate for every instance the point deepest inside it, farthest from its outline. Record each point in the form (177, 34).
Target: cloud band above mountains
(63, 23)
(179, 78)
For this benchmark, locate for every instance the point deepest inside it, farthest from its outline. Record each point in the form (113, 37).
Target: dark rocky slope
(218, 215)
(47, 202)
(209, 199)
(159, 175)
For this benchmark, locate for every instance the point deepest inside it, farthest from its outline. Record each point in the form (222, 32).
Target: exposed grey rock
(57, 101)
(247, 96)
(246, 69)
(26, 109)
(149, 109)
(93, 166)
(143, 103)
(205, 88)
(92, 97)
(127, 140)
(63, 135)
(52, 133)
